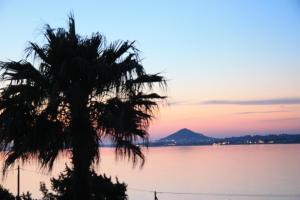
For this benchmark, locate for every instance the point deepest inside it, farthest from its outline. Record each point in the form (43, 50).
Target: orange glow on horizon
(227, 120)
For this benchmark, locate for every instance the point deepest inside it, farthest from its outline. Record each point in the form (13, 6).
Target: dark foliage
(78, 90)
(102, 187)
(5, 194)
(26, 196)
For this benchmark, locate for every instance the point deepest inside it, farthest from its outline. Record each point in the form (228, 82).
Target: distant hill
(186, 136)
(263, 139)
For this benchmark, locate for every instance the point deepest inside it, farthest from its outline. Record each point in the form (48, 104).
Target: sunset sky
(233, 66)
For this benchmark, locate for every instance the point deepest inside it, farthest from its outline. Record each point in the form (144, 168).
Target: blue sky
(222, 51)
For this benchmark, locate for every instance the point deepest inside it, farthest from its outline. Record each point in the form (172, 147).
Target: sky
(233, 67)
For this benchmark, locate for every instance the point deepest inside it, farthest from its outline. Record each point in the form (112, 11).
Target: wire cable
(220, 194)
(32, 171)
(200, 193)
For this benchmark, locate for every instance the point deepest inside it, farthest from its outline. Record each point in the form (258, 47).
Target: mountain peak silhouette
(185, 135)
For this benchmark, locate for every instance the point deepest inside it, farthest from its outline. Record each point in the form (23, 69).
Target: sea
(228, 172)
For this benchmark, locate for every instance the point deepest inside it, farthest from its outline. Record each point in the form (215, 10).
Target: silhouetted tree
(77, 91)
(5, 194)
(102, 187)
(27, 196)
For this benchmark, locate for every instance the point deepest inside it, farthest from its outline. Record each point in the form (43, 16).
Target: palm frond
(39, 107)
(19, 72)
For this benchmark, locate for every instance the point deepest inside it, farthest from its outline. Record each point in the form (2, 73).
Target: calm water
(253, 169)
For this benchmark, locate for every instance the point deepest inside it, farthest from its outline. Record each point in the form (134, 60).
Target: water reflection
(266, 169)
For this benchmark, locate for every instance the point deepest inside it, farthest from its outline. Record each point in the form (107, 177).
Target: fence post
(18, 183)
(155, 197)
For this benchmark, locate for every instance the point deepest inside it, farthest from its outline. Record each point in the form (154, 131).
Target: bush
(102, 187)
(5, 194)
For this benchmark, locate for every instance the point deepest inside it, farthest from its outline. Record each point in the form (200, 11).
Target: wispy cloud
(180, 103)
(281, 119)
(262, 112)
(278, 101)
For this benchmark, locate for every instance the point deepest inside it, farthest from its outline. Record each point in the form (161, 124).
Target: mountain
(188, 137)
(185, 136)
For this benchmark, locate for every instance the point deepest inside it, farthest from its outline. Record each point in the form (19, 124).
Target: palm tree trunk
(81, 163)
(83, 145)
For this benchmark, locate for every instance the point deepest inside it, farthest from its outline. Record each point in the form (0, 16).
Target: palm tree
(77, 91)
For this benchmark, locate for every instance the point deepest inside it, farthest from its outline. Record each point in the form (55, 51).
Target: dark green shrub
(102, 187)
(5, 194)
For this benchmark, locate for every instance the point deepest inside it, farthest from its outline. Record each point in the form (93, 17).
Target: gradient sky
(233, 66)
